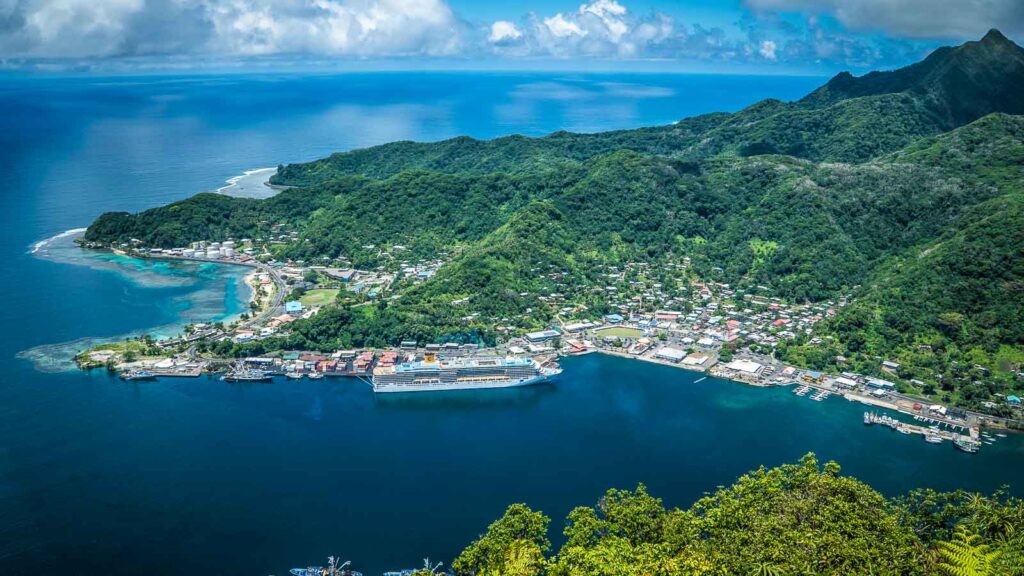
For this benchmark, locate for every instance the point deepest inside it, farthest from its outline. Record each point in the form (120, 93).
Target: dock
(932, 434)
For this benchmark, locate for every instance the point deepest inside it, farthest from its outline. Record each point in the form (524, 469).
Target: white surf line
(234, 180)
(39, 245)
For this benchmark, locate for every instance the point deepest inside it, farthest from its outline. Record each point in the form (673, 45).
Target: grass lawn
(621, 332)
(319, 297)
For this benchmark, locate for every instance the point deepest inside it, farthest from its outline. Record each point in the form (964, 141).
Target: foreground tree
(514, 545)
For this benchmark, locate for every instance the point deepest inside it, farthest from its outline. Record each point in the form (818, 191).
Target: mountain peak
(960, 84)
(995, 37)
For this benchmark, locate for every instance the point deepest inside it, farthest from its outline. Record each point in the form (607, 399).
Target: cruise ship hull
(386, 388)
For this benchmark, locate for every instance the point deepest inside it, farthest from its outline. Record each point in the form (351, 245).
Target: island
(865, 240)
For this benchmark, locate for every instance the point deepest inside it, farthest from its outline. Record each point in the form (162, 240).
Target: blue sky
(728, 36)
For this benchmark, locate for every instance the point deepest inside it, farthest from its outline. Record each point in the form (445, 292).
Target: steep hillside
(848, 119)
(951, 309)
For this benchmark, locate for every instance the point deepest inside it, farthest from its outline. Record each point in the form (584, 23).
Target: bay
(188, 476)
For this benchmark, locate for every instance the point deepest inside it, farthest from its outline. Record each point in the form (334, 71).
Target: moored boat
(966, 445)
(135, 375)
(246, 375)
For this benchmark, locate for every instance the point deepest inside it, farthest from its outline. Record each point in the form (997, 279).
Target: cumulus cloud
(504, 31)
(97, 28)
(606, 29)
(932, 19)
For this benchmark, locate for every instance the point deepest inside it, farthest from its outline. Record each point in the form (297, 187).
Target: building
(542, 336)
(293, 307)
(879, 383)
(670, 354)
(614, 318)
(745, 366)
(343, 274)
(697, 359)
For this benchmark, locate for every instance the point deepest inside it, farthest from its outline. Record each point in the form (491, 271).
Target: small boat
(933, 438)
(136, 375)
(315, 375)
(1001, 435)
(321, 571)
(293, 375)
(332, 569)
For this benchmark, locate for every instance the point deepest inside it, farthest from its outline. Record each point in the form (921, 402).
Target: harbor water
(184, 476)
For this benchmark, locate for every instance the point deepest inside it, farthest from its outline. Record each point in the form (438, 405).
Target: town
(665, 315)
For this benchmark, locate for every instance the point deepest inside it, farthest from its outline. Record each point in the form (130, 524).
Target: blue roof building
(614, 318)
(293, 307)
(1014, 400)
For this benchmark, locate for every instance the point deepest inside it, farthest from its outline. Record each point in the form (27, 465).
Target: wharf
(908, 428)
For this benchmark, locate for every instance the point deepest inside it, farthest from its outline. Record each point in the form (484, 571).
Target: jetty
(932, 434)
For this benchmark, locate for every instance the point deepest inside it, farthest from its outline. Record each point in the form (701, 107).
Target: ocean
(188, 476)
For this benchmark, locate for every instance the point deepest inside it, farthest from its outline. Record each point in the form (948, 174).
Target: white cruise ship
(460, 374)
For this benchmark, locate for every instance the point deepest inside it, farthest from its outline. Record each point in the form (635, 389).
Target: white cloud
(504, 31)
(96, 28)
(560, 27)
(936, 19)
(767, 50)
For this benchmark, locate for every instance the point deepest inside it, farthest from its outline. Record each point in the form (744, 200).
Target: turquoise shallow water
(189, 476)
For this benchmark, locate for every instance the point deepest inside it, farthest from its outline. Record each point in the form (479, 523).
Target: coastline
(252, 184)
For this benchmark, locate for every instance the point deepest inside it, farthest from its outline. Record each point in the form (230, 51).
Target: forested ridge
(797, 519)
(902, 189)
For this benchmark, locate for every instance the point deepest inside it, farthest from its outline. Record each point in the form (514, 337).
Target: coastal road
(278, 298)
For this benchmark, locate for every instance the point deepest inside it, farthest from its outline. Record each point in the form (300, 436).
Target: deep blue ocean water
(193, 476)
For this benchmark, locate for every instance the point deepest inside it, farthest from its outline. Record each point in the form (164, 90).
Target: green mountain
(902, 188)
(959, 84)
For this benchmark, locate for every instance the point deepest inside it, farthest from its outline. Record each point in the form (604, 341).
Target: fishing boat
(966, 445)
(136, 375)
(246, 375)
(932, 438)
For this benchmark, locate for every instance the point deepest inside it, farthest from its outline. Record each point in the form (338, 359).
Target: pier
(933, 434)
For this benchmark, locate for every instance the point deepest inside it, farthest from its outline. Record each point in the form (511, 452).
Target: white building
(670, 354)
(745, 366)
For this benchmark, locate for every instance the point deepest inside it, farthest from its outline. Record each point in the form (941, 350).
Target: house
(614, 318)
(1013, 400)
(293, 307)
